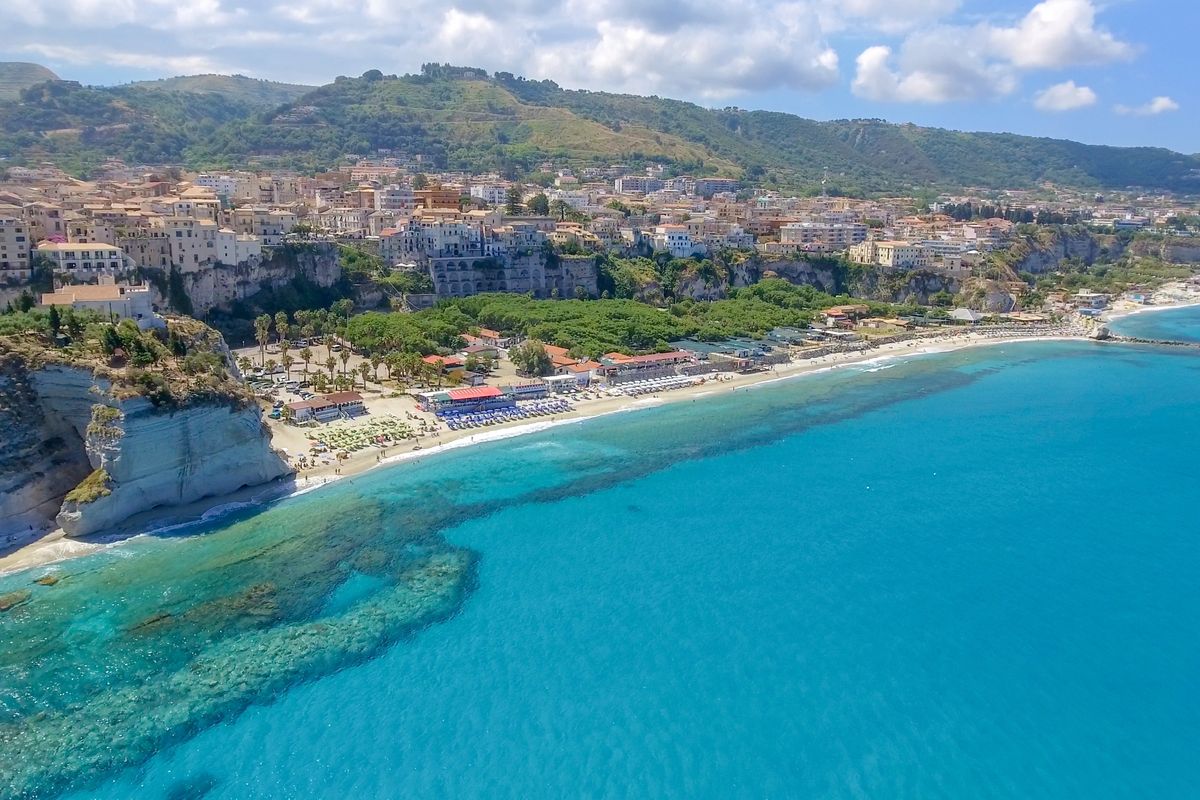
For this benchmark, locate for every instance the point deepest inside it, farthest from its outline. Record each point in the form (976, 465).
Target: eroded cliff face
(219, 285)
(43, 456)
(170, 459)
(61, 423)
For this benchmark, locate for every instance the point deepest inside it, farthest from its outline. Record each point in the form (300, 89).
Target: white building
(493, 194)
(107, 298)
(85, 261)
(396, 199)
(675, 239)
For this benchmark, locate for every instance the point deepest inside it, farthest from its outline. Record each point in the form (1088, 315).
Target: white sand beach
(46, 546)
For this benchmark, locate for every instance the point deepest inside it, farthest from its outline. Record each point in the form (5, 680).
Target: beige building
(14, 249)
(902, 255)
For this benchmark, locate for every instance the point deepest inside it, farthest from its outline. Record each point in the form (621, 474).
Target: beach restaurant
(619, 368)
(466, 400)
(328, 407)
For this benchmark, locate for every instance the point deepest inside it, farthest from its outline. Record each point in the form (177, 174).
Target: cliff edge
(89, 438)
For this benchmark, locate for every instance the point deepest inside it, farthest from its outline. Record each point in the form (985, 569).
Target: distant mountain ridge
(251, 90)
(18, 75)
(466, 118)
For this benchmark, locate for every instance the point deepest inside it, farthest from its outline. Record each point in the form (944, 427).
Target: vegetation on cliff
(91, 488)
(181, 364)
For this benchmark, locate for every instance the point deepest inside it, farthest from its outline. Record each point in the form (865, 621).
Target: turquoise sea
(965, 575)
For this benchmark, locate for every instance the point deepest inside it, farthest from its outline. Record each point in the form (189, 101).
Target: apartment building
(822, 235)
(85, 262)
(15, 262)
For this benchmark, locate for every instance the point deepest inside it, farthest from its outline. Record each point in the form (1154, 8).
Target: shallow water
(971, 574)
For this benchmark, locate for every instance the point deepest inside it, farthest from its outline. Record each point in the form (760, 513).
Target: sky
(1099, 71)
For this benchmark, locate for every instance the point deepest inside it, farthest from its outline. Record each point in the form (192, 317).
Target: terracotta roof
(475, 393)
(341, 398)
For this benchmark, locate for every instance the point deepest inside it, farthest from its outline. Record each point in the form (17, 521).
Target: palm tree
(281, 326)
(270, 365)
(330, 363)
(306, 356)
(345, 357)
(287, 364)
(364, 369)
(245, 364)
(262, 332)
(376, 363)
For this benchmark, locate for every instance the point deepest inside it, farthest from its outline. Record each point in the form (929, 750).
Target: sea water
(970, 574)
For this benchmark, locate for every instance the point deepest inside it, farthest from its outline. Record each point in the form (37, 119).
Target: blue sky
(1100, 71)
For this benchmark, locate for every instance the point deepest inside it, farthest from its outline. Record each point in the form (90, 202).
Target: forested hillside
(465, 118)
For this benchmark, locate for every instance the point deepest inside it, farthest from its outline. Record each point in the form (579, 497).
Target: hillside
(252, 91)
(18, 75)
(464, 118)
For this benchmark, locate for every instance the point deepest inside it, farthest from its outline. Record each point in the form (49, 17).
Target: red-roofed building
(652, 364)
(324, 408)
(447, 364)
(494, 338)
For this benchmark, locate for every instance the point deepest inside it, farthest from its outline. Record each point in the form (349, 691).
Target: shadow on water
(131, 652)
(196, 787)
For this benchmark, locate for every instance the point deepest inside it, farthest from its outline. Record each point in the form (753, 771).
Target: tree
(376, 363)
(287, 364)
(330, 364)
(560, 209)
(420, 181)
(539, 204)
(364, 369)
(244, 364)
(262, 332)
(281, 325)
(531, 358)
(270, 365)
(110, 340)
(306, 356)
(512, 203)
(345, 357)
(55, 322)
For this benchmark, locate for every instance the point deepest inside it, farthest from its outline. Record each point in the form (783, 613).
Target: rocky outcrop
(801, 273)
(1173, 250)
(61, 424)
(211, 286)
(893, 286)
(1049, 247)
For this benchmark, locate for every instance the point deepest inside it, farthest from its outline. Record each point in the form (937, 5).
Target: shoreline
(43, 548)
(1168, 297)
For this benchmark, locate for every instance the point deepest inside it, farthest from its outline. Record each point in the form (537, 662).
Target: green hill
(465, 118)
(268, 94)
(18, 75)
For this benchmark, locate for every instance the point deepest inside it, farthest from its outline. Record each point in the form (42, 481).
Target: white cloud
(1065, 96)
(1058, 33)
(1159, 105)
(930, 68)
(694, 48)
(945, 63)
(161, 65)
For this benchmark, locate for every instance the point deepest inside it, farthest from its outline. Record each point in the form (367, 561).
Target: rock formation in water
(91, 446)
